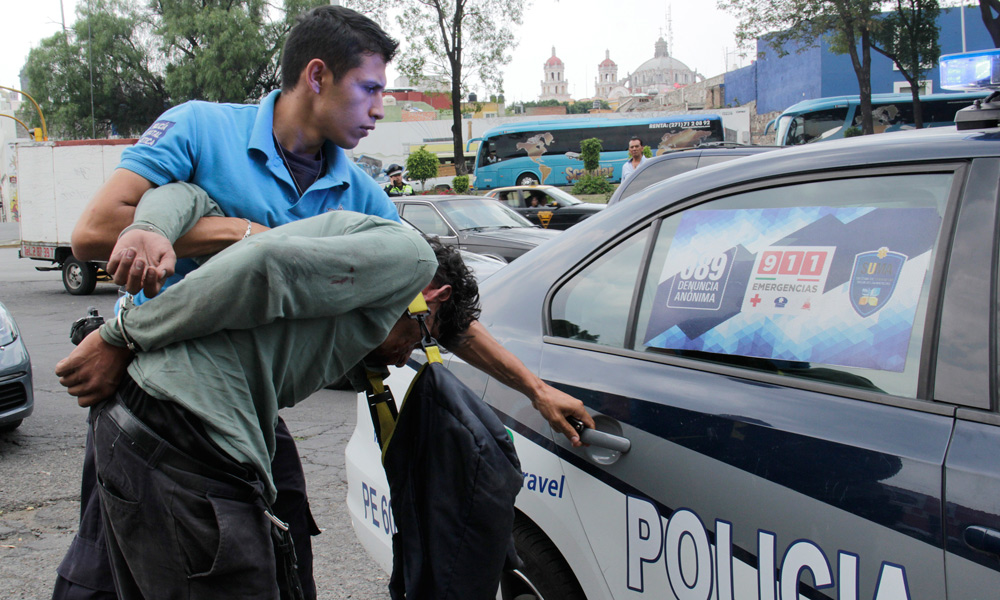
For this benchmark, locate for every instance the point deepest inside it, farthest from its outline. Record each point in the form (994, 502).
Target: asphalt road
(40, 461)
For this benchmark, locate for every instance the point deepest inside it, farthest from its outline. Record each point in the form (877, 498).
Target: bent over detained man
(183, 447)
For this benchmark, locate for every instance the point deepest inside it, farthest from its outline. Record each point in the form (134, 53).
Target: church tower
(554, 85)
(607, 76)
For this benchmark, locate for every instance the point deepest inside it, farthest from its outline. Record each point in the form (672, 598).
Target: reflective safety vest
(393, 191)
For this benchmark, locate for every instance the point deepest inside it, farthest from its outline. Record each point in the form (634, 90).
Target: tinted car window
(594, 305)
(657, 173)
(824, 280)
(426, 219)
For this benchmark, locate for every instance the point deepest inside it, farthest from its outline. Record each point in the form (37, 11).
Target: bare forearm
(484, 352)
(110, 211)
(481, 350)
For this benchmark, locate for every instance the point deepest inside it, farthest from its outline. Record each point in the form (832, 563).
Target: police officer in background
(396, 187)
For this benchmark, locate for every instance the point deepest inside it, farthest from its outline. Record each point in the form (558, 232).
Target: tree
(590, 153)
(108, 45)
(458, 41)
(990, 11)
(801, 24)
(222, 50)
(909, 37)
(422, 165)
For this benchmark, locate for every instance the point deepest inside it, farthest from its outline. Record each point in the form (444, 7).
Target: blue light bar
(971, 71)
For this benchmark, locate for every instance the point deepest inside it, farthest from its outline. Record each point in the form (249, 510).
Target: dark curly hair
(459, 311)
(338, 36)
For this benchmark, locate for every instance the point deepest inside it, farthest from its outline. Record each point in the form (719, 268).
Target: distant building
(607, 76)
(554, 84)
(660, 74)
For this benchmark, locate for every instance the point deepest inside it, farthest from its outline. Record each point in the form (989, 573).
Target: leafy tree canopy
(145, 57)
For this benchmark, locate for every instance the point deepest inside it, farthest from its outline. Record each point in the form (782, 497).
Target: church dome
(661, 61)
(607, 62)
(553, 60)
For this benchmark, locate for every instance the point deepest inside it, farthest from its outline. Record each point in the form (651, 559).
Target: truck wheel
(79, 278)
(546, 575)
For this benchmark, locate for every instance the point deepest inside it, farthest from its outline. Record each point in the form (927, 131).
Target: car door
(767, 353)
(967, 362)
(428, 220)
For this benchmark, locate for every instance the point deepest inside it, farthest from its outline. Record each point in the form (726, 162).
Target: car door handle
(600, 439)
(983, 539)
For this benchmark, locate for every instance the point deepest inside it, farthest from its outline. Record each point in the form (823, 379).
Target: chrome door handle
(600, 439)
(983, 539)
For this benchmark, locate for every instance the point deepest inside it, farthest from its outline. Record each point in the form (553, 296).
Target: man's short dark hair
(634, 138)
(459, 311)
(338, 36)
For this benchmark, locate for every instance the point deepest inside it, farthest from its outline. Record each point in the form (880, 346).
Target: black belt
(156, 450)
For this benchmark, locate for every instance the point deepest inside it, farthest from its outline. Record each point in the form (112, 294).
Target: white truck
(54, 182)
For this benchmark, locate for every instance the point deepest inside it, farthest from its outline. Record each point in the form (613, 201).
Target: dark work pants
(85, 572)
(177, 526)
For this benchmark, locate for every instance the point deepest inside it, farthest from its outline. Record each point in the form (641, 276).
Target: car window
(594, 305)
(823, 280)
(481, 214)
(514, 199)
(657, 172)
(426, 219)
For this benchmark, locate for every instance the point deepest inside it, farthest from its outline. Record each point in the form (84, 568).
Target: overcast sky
(580, 30)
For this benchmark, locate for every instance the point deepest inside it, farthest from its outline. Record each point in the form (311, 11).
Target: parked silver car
(16, 393)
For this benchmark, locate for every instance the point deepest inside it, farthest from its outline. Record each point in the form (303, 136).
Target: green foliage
(460, 184)
(575, 108)
(144, 57)
(422, 165)
(219, 50)
(128, 87)
(909, 37)
(797, 25)
(852, 131)
(590, 153)
(592, 184)
(647, 152)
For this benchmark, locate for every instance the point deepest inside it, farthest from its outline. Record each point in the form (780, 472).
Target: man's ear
(313, 74)
(437, 294)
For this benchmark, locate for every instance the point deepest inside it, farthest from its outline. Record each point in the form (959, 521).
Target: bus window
(810, 126)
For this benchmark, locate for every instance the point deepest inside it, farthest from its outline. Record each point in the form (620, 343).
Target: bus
(828, 118)
(548, 152)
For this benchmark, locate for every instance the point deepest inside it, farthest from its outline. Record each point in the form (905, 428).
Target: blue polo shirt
(228, 150)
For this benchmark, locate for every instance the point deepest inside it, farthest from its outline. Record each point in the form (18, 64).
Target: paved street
(40, 461)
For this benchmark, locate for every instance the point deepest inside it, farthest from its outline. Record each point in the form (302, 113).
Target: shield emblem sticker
(874, 279)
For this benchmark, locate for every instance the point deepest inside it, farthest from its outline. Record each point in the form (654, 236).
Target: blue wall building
(779, 82)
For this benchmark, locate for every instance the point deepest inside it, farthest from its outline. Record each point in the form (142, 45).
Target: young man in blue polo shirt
(265, 165)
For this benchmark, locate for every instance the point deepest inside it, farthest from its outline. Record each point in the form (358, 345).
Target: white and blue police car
(802, 348)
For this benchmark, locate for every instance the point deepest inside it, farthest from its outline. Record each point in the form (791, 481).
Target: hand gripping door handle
(600, 439)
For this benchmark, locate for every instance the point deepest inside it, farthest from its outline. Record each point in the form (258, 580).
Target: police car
(801, 348)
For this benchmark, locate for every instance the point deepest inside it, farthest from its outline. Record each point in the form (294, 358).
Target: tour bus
(828, 118)
(548, 152)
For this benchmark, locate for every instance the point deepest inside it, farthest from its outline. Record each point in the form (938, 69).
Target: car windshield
(481, 214)
(562, 197)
